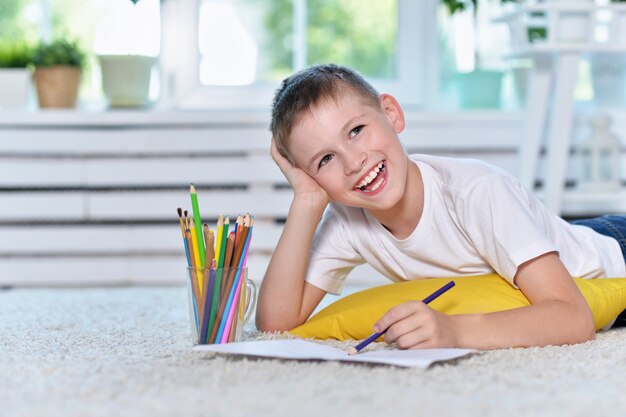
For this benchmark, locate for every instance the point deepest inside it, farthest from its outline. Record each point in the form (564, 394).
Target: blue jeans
(609, 225)
(615, 227)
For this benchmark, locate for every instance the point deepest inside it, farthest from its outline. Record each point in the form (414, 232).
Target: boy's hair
(305, 89)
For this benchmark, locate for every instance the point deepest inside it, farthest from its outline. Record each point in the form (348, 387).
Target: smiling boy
(358, 197)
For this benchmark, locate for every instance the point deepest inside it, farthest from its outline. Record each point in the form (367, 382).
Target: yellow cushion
(353, 316)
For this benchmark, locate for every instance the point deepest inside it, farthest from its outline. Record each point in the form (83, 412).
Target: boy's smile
(374, 180)
(351, 149)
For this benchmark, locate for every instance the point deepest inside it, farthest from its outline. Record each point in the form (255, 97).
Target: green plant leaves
(59, 52)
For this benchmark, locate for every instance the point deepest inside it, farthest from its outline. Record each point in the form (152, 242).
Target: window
(241, 49)
(100, 26)
(233, 53)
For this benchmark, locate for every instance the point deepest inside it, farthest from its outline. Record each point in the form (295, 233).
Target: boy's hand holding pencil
(376, 335)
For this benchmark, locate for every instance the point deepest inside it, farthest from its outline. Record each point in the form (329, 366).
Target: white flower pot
(480, 89)
(574, 25)
(126, 79)
(15, 85)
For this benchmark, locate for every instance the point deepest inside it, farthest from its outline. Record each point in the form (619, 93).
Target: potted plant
(126, 73)
(58, 67)
(14, 74)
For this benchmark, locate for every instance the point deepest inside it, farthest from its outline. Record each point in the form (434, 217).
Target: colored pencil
(210, 251)
(246, 251)
(230, 281)
(196, 248)
(205, 290)
(207, 308)
(232, 310)
(230, 242)
(197, 221)
(193, 260)
(230, 295)
(237, 323)
(182, 229)
(230, 247)
(375, 336)
(192, 276)
(220, 271)
(223, 242)
(195, 251)
(236, 228)
(218, 237)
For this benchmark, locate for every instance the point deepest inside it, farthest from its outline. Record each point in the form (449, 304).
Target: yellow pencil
(196, 249)
(218, 240)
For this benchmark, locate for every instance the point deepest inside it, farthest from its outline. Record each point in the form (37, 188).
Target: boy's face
(352, 150)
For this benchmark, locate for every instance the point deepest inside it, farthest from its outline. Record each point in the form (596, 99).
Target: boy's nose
(355, 162)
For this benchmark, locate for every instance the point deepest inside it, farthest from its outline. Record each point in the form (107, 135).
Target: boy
(336, 140)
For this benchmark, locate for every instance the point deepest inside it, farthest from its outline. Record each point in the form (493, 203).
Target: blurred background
(110, 108)
(415, 49)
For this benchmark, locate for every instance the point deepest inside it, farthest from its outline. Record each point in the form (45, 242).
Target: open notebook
(303, 350)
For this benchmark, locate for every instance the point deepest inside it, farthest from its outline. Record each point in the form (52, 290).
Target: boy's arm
(285, 299)
(558, 315)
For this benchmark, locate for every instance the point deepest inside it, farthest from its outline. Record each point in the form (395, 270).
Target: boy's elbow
(586, 329)
(264, 325)
(590, 330)
(274, 324)
(585, 335)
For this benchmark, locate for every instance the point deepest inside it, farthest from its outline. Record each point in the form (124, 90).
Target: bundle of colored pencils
(217, 263)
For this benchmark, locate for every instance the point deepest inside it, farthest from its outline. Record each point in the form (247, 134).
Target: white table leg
(536, 114)
(560, 132)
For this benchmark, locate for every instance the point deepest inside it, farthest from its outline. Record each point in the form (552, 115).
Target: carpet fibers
(127, 352)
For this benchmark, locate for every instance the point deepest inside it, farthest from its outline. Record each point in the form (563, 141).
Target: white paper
(301, 349)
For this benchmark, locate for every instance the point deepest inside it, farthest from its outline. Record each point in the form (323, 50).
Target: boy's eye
(356, 131)
(326, 159)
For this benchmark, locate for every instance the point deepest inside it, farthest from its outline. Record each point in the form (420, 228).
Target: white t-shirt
(477, 219)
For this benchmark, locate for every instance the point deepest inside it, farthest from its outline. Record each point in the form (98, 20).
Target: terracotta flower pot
(57, 86)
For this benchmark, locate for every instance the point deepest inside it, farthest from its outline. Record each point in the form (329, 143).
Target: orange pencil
(210, 245)
(230, 245)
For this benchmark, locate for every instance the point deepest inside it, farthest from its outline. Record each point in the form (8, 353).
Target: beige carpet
(127, 352)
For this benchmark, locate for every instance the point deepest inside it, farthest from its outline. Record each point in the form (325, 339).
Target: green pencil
(198, 222)
(218, 275)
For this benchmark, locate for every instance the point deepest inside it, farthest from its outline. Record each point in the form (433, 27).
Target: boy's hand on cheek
(414, 325)
(300, 181)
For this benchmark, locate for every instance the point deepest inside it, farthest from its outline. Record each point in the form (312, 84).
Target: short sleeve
(332, 256)
(498, 217)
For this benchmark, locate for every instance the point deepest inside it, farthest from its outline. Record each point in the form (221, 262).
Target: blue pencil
(195, 304)
(207, 308)
(375, 336)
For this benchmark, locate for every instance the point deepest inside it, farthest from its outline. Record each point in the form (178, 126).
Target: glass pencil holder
(221, 301)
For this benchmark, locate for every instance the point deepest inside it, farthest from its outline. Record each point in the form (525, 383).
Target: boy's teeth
(375, 187)
(370, 177)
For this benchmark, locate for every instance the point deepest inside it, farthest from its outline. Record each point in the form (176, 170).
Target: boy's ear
(393, 111)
